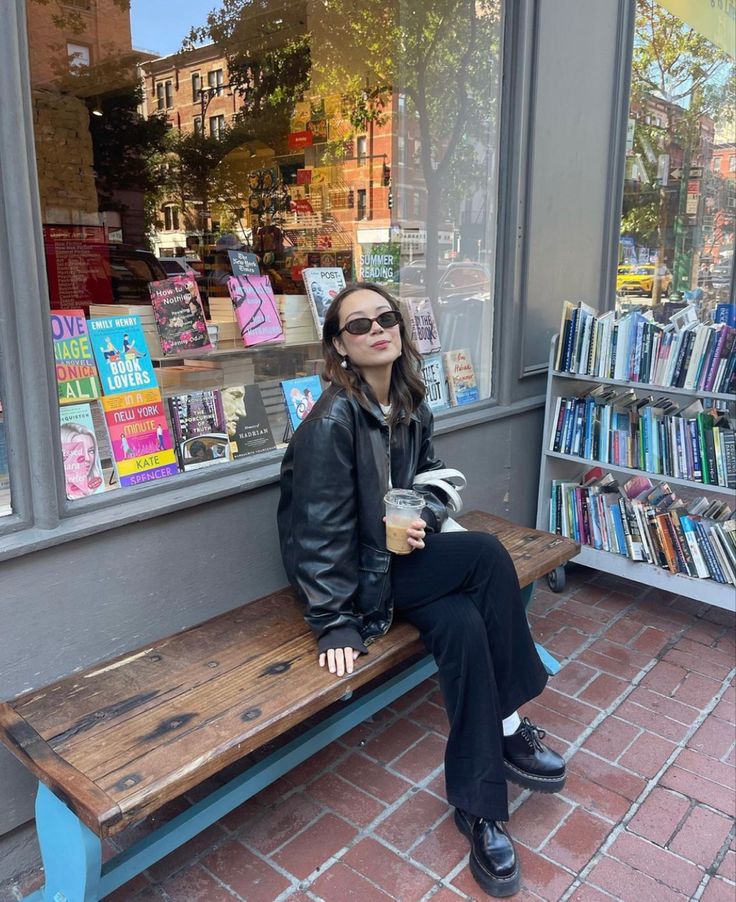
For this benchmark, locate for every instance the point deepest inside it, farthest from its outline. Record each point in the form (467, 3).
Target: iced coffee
(402, 508)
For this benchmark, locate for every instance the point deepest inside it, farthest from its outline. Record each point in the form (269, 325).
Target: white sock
(511, 724)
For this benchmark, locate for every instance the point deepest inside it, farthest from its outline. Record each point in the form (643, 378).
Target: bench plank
(117, 741)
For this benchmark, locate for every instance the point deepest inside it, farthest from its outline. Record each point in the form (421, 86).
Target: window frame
(43, 517)
(196, 91)
(216, 132)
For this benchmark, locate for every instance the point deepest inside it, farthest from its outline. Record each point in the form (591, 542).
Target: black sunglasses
(362, 325)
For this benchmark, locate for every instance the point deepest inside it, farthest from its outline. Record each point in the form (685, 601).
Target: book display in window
(177, 308)
(76, 372)
(255, 309)
(200, 432)
(246, 421)
(123, 359)
(646, 413)
(462, 385)
(83, 474)
(139, 436)
(322, 285)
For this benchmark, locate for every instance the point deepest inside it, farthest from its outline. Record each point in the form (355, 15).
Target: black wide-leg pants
(462, 592)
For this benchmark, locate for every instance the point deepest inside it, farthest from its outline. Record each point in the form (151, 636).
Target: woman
(370, 430)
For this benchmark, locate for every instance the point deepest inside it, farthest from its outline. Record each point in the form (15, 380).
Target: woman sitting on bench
(372, 430)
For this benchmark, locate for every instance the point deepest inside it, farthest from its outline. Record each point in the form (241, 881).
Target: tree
(674, 63)
(441, 56)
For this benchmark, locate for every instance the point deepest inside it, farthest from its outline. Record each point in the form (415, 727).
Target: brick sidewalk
(644, 711)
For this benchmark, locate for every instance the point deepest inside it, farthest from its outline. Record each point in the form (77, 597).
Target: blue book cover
(123, 360)
(300, 396)
(725, 313)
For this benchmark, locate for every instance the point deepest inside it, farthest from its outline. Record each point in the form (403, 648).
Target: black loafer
(493, 861)
(529, 763)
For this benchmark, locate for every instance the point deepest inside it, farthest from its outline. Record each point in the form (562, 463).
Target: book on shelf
(433, 376)
(421, 325)
(322, 285)
(74, 361)
(646, 522)
(140, 438)
(246, 421)
(80, 453)
(300, 396)
(255, 310)
(200, 431)
(120, 349)
(690, 354)
(179, 315)
(462, 385)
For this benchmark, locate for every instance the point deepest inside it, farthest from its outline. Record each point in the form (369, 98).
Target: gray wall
(85, 600)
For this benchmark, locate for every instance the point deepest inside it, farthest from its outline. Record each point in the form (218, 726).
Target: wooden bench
(117, 741)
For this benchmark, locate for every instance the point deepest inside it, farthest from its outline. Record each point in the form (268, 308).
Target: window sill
(196, 488)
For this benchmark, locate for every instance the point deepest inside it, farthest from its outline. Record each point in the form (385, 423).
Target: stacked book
(297, 319)
(183, 379)
(237, 370)
(222, 315)
(647, 522)
(685, 353)
(144, 311)
(658, 435)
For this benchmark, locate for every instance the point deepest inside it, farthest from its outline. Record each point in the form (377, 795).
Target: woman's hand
(416, 533)
(339, 660)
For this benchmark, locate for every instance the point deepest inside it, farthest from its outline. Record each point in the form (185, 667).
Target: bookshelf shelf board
(231, 349)
(706, 590)
(659, 477)
(645, 386)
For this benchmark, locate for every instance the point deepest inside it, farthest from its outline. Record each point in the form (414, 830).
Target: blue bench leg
(551, 665)
(71, 852)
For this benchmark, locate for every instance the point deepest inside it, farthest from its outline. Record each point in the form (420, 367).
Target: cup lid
(405, 498)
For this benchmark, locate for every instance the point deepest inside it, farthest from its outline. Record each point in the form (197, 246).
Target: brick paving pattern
(644, 710)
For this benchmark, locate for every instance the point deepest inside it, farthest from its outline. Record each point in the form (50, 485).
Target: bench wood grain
(117, 741)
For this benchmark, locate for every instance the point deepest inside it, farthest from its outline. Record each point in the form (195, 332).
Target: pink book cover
(255, 309)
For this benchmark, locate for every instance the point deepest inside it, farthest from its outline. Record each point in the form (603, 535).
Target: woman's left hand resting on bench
(340, 660)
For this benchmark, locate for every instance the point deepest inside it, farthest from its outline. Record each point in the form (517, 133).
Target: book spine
(710, 558)
(694, 435)
(666, 543)
(688, 528)
(710, 375)
(729, 457)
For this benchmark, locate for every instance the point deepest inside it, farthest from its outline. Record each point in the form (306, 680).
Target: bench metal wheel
(556, 579)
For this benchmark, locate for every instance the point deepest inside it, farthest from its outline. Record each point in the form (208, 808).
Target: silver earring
(344, 362)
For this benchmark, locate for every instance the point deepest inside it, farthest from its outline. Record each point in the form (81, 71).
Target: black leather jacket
(333, 478)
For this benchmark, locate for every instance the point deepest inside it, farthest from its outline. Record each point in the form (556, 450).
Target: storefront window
(679, 207)
(192, 184)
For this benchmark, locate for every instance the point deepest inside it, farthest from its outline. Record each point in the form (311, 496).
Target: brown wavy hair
(407, 389)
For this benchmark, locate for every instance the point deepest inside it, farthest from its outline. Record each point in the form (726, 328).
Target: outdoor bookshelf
(561, 466)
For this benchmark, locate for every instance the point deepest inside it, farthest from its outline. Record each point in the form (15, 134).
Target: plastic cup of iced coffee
(402, 507)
